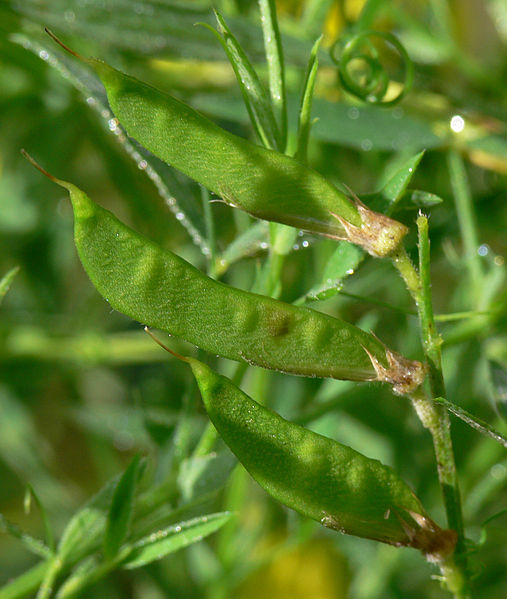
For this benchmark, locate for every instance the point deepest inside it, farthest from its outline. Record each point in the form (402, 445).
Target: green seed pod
(158, 288)
(265, 183)
(316, 476)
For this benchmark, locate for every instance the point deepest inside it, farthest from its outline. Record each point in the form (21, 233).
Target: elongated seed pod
(265, 183)
(158, 288)
(316, 476)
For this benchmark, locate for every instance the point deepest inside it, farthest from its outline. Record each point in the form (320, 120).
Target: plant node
(403, 374)
(434, 542)
(378, 234)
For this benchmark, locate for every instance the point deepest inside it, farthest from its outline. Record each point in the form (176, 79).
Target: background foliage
(83, 389)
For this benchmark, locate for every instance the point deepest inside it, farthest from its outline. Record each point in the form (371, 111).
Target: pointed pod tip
(167, 349)
(83, 206)
(34, 163)
(64, 46)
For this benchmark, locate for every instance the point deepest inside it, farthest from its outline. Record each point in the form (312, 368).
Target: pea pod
(316, 476)
(267, 184)
(158, 288)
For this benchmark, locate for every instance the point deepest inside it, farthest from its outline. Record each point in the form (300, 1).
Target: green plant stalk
(466, 219)
(52, 573)
(435, 418)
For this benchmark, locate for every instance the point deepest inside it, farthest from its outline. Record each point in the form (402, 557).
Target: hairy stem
(433, 417)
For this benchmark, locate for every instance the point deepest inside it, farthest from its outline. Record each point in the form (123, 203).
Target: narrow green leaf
(397, 185)
(175, 537)
(276, 67)
(81, 534)
(411, 199)
(498, 387)
(48, 529)
(305, 109)
(254, 95)
(25, 584)
(342, 263)
(120, 512)
(6, 281)
(33, 545)
(422, 199)
(479, 425)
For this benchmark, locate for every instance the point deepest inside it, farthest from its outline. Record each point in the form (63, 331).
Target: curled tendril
(374, 83)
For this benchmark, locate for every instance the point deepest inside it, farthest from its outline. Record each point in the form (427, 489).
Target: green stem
(466, 219)
(431, 339)
(403, 264)
(47, 585)
(432, 416)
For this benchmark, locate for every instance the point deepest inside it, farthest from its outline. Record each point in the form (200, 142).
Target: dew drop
(43, 54)
(112, 124)
(398, 113)
(483, 250)
(498, 471)
(457, 123)
(366, 144)
(353, 113)
(180, 216)
(305, 244)
(142, 164)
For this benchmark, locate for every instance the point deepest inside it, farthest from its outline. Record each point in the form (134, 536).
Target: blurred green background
(82, 388)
